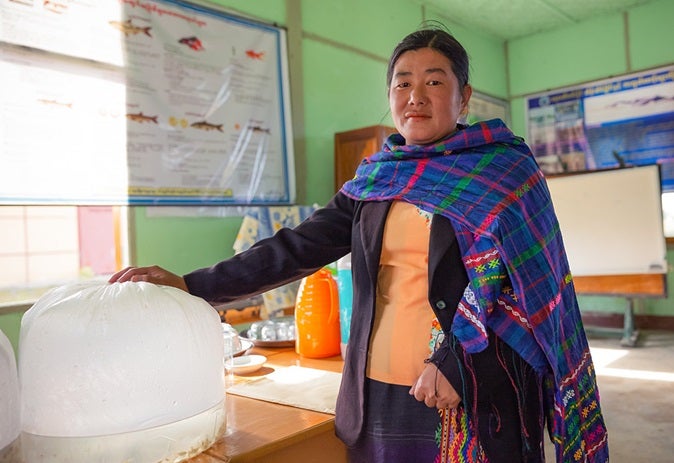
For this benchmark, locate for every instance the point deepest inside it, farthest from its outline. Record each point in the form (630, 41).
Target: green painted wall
(343, 91)
(10, 324)
(374, 26)
(269, 11)
(182, 244)
(651, 33)
(589, 50)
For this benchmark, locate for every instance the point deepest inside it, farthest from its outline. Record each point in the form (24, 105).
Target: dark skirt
(398, 428)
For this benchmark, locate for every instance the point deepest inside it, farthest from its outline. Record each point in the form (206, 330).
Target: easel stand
(629, 335)
(634, 288)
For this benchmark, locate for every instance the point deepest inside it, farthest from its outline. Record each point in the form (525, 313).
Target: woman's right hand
(433, 389)
(153, 274)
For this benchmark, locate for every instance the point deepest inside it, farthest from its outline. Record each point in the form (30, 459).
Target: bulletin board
(483, 107)
(142, 102)
(621, 121)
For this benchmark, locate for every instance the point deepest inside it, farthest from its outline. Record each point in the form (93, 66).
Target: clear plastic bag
(100, 360)
(10, 423)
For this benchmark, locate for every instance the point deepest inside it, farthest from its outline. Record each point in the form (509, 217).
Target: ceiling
(509, 19)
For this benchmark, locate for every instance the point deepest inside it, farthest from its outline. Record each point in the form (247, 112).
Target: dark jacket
(344, 226)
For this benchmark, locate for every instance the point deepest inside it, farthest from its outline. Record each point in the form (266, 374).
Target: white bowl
(247, 364)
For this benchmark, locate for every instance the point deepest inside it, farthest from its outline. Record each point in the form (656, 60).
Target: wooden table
(267, 432)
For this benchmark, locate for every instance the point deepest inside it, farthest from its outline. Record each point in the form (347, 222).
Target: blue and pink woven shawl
(486, 181)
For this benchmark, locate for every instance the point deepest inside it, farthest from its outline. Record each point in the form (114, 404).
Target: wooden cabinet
(354, 145)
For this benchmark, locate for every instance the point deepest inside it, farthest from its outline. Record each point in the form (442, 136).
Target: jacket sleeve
(288, 255)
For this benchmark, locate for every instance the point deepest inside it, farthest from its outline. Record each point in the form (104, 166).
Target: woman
(465, 333)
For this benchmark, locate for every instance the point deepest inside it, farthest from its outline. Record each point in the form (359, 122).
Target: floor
(637, 393)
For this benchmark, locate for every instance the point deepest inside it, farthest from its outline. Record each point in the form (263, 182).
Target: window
(45, 246)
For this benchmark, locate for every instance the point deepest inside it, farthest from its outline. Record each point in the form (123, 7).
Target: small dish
(245, 345)
(261, 343)
(247, 364)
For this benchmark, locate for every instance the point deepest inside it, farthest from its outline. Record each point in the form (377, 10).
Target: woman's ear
(466, 93)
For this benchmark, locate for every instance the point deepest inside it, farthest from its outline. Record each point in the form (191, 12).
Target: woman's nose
(417, 96)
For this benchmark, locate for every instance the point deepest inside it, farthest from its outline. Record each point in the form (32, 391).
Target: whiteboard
(611, 221)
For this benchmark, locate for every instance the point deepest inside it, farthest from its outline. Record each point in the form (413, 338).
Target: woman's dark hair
(433, 35)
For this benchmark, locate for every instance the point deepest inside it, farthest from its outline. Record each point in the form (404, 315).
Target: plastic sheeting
(101, 359)
(10, 424)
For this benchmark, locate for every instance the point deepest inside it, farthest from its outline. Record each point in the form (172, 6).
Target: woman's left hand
(433, 389)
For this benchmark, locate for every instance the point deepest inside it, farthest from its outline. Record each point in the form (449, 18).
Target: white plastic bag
(104, 360)
(10, 424)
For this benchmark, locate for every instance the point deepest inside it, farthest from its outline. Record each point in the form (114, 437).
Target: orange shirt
(404, 327)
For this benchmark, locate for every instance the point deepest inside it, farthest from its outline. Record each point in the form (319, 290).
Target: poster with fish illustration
(144, 102)
(617, 122)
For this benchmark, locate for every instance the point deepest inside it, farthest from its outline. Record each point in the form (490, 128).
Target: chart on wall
(484, 107)
(142, 102)
(623, 121)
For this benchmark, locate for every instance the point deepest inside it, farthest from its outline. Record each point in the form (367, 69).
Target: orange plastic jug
(317, 316)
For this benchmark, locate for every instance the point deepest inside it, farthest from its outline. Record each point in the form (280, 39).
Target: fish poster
(618, 122)
(142, 102)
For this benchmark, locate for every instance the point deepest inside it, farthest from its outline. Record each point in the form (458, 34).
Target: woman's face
(425, 97)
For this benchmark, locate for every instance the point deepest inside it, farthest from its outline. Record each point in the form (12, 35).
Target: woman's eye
(403, 85)
(434, 82)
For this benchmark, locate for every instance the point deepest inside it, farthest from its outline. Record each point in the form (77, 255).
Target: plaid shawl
(486, 182)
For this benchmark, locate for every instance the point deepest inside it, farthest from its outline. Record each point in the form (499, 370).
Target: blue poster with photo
(625, 121)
